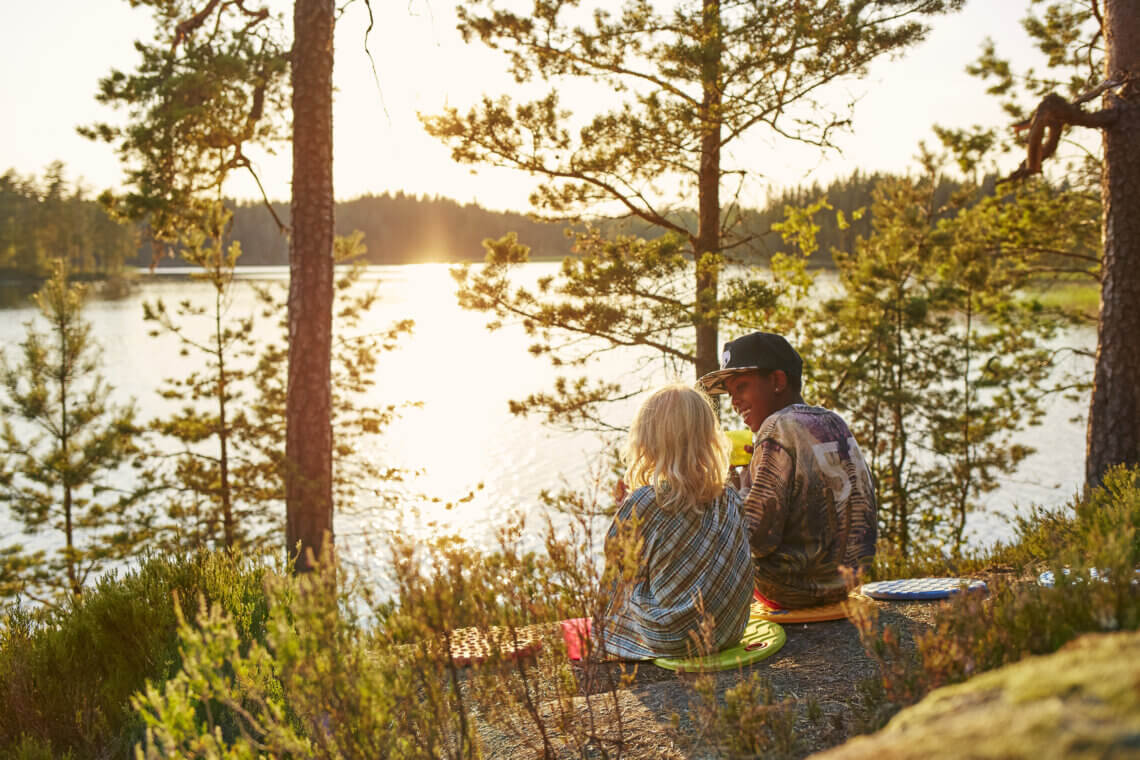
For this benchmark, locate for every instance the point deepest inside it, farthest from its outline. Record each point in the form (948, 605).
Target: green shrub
(66, 675)
(893, 564)
(325, 683)
(29, 748)
(752, 721)
(1093, 550)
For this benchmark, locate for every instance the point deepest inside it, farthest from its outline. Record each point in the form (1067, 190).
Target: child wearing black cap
(809, 503)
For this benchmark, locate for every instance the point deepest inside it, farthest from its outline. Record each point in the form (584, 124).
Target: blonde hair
(677, 446)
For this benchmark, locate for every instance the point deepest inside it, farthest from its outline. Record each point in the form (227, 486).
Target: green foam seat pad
(761, 640)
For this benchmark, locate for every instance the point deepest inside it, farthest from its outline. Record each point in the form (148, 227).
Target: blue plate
(920, 588)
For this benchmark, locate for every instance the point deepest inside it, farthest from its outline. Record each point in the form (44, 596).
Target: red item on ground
(576, 634)
(766, 601)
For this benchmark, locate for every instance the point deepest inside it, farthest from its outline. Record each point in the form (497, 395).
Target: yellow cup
(740, 439)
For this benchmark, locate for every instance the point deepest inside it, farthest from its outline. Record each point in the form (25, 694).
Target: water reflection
(462, 435)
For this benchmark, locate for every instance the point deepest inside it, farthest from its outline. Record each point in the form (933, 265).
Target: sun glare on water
(477, 465)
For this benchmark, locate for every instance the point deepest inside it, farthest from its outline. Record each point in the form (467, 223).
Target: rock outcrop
(1081, 702)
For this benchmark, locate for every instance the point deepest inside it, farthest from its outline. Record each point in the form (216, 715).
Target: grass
(1078, 297)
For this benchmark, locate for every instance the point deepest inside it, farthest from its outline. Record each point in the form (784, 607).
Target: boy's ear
(779, 380)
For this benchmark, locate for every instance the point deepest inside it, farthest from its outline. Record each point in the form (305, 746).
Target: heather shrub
(751, 720)
(1093, 550)
(66, 674)
(343, 673)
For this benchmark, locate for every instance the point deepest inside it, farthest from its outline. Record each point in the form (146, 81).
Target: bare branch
(1097, 14)
(372, 61)
(185, 28)
(281, 226)
(1104, 86)
(1049, 120)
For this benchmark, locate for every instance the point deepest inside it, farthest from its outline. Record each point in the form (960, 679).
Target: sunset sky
(53, 55)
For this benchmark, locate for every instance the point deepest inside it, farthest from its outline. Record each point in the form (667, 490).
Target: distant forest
(41, 219)
(44, 219)
(400, 229)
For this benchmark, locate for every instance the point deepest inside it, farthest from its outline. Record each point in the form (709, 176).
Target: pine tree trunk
(67, 352)
(1114, 414)
(308, 445)
(706, 252)
(228, 531)
(69, 531)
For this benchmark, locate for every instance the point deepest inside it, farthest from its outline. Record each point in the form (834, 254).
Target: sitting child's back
(679, 537)
(693, 564)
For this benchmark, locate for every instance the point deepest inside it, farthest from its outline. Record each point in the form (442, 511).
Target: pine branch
(1052, 115)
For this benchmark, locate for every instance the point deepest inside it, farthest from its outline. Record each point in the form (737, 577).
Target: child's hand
(621, 490)
(740, 478)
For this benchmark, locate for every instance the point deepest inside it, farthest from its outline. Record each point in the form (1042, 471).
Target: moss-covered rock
(1081, 702)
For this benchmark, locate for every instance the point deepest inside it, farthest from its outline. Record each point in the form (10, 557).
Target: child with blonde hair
(683, 527)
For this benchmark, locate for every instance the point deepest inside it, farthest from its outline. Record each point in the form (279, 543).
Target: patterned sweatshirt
(688, 560)
(810, 508)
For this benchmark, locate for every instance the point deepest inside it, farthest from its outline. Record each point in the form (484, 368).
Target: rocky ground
(821, 665)
(1081, 702)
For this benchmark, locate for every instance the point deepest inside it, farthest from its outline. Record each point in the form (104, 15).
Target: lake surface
(463, 435)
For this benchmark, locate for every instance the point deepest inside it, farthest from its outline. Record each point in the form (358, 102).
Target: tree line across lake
(42, 218)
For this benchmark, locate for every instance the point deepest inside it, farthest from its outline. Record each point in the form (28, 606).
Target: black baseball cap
(752, 352)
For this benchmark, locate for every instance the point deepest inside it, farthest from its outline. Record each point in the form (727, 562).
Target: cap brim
(713, 382)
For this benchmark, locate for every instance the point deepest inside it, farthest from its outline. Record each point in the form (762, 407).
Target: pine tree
(1093, 51)
(63, 445)
(357, 478)
(690, 80)
(213, 499)
(932, 351)
(211, 83)
(225, 487)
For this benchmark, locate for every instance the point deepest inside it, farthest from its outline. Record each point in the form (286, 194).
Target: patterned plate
(761, 640)
(920, 588)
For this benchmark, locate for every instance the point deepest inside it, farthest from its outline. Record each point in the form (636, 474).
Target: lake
(462, 435)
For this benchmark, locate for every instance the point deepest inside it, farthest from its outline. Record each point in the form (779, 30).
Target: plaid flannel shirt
(687, 560)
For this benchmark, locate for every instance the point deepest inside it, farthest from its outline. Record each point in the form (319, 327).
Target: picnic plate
(910, 589)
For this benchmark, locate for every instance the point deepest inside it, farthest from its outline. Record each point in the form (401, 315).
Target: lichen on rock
(1080, 702)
